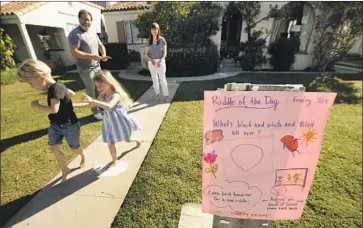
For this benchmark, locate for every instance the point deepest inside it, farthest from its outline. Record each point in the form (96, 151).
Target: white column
(67, 56)
(217, 37)
(27, 41)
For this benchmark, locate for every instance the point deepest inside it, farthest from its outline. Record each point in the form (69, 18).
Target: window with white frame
(70, 27)
(300, 25)
(131, 33)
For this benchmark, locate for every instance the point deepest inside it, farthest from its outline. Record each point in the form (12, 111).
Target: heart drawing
(247, 156)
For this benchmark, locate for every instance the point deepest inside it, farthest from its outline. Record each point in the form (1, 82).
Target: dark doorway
(231, 32)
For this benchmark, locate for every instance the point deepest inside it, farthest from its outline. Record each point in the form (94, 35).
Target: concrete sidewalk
(133, 74)
(92, 196)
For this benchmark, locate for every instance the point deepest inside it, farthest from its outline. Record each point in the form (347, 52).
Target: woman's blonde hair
(32, 69)
(106, 77)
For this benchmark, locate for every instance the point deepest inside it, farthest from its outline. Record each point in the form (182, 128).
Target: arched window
(299, 24)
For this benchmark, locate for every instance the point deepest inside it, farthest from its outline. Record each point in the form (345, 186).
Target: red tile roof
(19, 8)
(123, 6)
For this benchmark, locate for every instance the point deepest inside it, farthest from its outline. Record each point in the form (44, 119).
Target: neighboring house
(119, 19)
(28, 22)
(120, 16)
(104, 4)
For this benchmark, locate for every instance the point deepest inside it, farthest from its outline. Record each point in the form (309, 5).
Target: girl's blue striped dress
(117, 126)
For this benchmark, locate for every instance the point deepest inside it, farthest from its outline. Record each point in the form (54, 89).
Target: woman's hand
(88, 99)
(153, 62)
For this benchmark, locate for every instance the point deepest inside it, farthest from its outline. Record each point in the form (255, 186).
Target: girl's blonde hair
(106, 77)
(32, 69)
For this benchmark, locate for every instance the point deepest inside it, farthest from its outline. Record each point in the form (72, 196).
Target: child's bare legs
(113, 153)
(138, 143)
(61, 162)
(79, 151)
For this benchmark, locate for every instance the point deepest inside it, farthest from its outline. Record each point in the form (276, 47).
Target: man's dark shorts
(68, 130)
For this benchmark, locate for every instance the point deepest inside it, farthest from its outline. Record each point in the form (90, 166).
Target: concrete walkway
(133, 74)
(92, 196)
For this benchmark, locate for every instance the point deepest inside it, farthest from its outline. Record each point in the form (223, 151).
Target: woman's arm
(147, 54)
(105, 105)
(164, 52)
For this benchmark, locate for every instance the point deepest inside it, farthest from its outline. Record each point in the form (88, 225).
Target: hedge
(185, 62)
(119, 54)
(283, 53)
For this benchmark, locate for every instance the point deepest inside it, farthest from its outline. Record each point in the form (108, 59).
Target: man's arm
(101, 47)
(83, 55)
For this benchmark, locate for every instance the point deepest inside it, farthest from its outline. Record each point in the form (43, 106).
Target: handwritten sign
(260, 151)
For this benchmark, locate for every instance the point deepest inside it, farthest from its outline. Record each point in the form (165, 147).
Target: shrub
(184, 62)
(119, 54)
(181, 22)
(134, 56)
(7, 47)
(252, 54)
(283, 53)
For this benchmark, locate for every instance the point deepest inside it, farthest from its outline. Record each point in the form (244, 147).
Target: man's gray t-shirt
(156, 51)
(86, 41)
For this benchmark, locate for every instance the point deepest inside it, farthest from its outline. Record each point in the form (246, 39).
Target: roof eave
(121, 10)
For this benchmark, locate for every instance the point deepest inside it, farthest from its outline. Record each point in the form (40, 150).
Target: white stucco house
(119, 19)
(25, 21)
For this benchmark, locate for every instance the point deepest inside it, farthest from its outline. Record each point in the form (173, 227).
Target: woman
(155, 51)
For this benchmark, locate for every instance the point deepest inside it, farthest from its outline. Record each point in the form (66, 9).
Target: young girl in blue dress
(117, 126)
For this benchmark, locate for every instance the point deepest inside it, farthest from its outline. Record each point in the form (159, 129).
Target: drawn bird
(290, 142)
(212, 136)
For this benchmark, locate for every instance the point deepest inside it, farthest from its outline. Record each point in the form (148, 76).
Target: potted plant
(45, 45)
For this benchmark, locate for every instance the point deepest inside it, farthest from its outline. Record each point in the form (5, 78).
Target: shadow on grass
(191, 91)
(9, 142)
(51, 194)
(346, 91)
(133, 87)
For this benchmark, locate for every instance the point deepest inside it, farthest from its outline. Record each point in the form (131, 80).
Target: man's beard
(84, 28)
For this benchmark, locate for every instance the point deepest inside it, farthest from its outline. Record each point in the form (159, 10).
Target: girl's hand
(153, 62)
(34, 103)
(88, 99)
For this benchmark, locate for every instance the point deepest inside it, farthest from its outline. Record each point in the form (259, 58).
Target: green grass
(8, 77)
(26, 162)
(171, 173)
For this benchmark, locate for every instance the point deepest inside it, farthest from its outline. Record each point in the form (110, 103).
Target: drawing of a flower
(211, 158)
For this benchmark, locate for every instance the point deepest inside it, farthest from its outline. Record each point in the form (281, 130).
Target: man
(85, 47)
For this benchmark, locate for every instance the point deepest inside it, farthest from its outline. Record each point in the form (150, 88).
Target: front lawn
(171, 173)
(26, 162)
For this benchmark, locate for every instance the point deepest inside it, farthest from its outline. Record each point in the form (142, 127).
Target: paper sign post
(260, 151)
